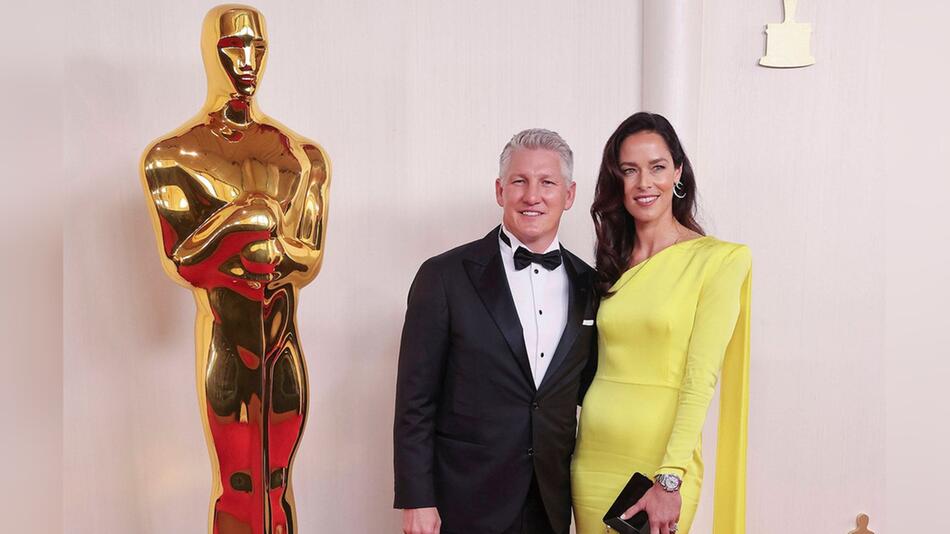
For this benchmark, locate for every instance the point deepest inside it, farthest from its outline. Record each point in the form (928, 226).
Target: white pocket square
(588, 322)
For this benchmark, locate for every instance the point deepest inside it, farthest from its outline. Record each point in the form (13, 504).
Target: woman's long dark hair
(616, 231)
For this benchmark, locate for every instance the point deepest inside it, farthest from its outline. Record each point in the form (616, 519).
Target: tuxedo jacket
(471, 428)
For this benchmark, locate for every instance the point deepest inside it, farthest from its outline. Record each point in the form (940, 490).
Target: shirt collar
(515, 242)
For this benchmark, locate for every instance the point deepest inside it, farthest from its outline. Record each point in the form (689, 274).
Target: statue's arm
(192, 222)
(252, 214)
(305, 244)
(172, 200)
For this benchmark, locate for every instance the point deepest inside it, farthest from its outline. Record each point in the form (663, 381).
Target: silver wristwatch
(669, 482)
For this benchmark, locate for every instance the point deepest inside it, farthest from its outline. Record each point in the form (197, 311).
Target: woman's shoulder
(722, 252)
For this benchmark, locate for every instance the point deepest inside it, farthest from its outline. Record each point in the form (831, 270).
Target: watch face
(669, 482)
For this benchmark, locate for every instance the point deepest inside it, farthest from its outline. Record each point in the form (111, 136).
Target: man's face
(242, 49)
(534, 193)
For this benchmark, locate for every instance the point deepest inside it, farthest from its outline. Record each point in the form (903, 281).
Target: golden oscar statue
(239, 207)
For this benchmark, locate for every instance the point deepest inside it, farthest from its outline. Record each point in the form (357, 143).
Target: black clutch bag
(636, 487)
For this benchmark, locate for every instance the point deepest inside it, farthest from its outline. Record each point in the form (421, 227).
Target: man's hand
(421, 521)
(663, 509)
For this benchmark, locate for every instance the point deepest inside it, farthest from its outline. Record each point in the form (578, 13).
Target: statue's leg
(285, 427)
(286, 395)
(236, 419)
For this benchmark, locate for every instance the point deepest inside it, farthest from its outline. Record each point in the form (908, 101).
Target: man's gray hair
(539, 138)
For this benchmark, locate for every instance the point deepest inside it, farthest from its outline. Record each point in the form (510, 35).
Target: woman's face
(648, 177)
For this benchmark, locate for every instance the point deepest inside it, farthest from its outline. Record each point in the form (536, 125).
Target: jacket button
(535, 405)
(530, 451)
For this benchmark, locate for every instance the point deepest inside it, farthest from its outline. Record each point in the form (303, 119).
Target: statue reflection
(239, 207)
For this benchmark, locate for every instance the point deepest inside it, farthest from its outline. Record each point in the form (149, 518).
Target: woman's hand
(662, 507)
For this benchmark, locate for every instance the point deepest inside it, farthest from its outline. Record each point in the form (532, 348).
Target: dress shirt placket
(536, 278)
(545, 289)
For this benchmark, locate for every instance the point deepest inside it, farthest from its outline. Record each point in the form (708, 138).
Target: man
(497, 335)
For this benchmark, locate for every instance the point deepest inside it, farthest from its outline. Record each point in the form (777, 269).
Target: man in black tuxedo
(498, 335)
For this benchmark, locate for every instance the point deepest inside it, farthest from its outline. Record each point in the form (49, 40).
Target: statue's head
(234, 48)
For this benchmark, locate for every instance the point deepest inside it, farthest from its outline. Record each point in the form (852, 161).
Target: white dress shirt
(541, 299)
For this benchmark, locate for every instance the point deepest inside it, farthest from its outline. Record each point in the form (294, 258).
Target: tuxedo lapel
(577, 302)
(487, 274)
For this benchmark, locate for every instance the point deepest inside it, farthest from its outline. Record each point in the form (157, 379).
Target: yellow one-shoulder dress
(673, 324)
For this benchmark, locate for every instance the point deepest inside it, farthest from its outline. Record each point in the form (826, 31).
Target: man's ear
(571, 191)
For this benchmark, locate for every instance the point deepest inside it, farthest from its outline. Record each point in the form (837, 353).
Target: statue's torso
(195, 175)
(258, 160)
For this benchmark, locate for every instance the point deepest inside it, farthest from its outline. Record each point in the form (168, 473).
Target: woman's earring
(678, 190)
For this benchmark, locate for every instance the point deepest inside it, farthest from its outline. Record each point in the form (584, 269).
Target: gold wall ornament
(788, 44)
(238, 204)
(862, 523)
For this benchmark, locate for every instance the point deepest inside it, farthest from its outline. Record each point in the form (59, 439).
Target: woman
(674, 314)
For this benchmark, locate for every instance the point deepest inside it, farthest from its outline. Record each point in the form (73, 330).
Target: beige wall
(31, 268)
(786, 160)
(914, 184)
(834, 175)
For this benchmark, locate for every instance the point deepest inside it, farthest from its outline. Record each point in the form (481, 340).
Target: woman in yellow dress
(673, 319)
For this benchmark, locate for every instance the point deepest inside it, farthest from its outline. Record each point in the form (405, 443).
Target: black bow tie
(524, 258)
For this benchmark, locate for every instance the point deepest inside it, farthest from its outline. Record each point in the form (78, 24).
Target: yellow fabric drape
(733, 432)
